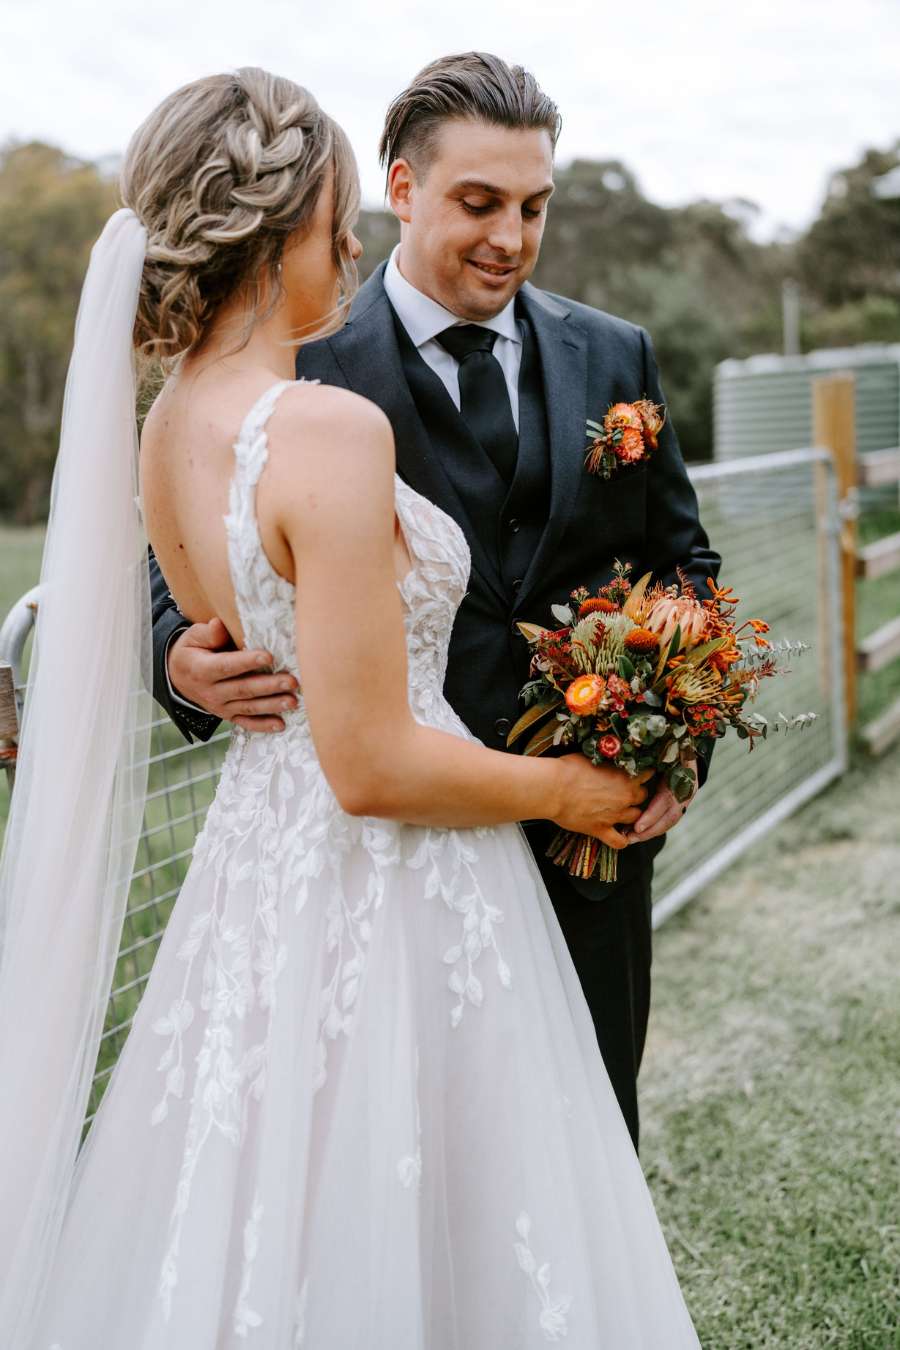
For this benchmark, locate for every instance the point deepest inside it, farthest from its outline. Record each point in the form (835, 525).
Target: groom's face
(472, 218)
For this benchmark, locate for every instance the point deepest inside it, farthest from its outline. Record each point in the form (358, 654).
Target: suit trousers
(610, 941)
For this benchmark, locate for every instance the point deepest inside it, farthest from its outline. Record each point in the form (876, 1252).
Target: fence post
(9, 722)
(834, 427)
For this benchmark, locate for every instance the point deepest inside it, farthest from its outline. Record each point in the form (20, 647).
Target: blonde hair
(221, 174)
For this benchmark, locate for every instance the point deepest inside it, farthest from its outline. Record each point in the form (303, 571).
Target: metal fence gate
(774, 520)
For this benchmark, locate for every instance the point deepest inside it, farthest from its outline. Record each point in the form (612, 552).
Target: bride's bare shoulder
(318, 428)
(324, 410)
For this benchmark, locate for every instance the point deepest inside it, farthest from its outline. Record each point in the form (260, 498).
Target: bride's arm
(329, 489)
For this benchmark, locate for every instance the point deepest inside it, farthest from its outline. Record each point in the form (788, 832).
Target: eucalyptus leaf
(563, 614)
(681, 782)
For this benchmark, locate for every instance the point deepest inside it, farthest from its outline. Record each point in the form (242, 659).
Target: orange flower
(585, 694)
(631, 447)
(600, 605)
(641, 640)
(653, 418)
(622, 415)
(722, 595)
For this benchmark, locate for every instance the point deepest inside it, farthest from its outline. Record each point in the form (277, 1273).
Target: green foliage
(52, 208)
(853, 250)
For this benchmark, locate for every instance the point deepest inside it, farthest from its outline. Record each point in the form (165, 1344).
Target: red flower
(610, 746)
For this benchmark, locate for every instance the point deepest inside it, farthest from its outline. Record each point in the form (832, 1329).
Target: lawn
(20, 563)
(771, 1085)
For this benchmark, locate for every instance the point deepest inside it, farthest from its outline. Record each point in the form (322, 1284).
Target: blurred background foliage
(693, 275)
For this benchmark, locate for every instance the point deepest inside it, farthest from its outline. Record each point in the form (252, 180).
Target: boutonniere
(628, 435)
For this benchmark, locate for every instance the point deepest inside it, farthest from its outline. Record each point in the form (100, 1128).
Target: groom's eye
(477, 209)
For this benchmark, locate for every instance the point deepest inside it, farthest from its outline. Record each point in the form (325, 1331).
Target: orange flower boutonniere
(629, 434)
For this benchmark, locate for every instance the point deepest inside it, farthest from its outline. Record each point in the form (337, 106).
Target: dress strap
(251, 448)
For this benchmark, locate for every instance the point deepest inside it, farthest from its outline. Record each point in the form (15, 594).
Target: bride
(361, 1103)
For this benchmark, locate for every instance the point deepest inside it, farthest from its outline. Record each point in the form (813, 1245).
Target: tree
(52, 207)
(853, 250)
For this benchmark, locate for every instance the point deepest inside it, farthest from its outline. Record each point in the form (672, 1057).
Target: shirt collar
(423, 318)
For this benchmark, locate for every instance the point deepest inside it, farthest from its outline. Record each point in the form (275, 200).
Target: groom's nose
(506, 232)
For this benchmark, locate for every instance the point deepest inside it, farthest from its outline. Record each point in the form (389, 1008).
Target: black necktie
(483, 396)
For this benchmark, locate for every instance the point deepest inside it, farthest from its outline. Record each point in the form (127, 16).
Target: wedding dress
(361, 1104)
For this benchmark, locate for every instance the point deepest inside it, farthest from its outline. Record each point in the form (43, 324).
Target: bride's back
(187, 463)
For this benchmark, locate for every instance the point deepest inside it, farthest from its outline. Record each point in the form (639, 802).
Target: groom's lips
(495, 274)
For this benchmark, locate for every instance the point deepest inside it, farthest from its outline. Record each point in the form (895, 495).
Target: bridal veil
(78, 802)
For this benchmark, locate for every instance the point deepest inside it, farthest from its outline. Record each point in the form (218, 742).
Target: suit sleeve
(676, 538)
(168, 621)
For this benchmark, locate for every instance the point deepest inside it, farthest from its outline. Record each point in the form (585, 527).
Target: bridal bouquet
(642, 676)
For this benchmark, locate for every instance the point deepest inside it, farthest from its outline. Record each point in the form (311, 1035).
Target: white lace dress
(361, 1106)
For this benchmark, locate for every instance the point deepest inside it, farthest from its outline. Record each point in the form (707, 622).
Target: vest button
(502, 726)
(517, 584)
(513, 525)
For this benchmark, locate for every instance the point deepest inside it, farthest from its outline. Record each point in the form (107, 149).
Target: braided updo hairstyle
(221, 174)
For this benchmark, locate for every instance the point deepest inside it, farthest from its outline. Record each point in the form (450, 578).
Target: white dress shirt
(423, 318)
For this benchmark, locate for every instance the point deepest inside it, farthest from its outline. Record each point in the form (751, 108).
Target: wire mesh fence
(774, 520)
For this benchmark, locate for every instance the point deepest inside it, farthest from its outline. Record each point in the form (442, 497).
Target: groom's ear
(400, 186)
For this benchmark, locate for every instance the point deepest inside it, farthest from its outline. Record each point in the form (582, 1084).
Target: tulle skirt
(361, 1107)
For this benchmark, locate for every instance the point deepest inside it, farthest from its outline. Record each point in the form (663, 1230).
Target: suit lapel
(366, 351)
(563, 349)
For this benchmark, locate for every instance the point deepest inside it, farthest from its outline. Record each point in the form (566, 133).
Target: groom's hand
(235, 686)
(661, 812)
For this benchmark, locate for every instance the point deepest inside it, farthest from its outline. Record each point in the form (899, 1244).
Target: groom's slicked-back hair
(472, 84)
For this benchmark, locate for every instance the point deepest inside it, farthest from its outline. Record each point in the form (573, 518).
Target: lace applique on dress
(553, 1314)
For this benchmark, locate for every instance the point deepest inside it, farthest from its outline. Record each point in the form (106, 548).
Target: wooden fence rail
(834, 427)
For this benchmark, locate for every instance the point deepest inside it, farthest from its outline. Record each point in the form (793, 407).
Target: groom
(488, 383)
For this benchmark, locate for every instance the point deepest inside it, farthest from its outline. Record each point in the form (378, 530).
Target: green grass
(771, 1086)
(20, 563)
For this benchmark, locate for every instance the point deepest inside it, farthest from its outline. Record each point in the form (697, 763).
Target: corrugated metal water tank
(764, 403)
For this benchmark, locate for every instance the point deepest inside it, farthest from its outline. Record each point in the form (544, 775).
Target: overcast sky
(699, 98)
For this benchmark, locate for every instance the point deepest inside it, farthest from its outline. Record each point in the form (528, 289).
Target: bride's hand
(596, 798)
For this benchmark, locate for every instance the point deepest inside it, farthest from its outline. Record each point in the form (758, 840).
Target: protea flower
(671, 612)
